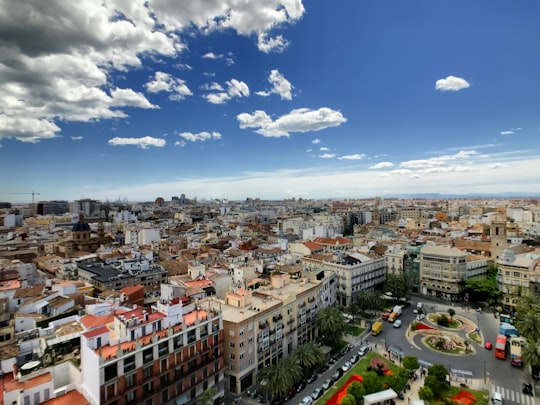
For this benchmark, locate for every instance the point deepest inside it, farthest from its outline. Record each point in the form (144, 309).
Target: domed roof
(81, 226)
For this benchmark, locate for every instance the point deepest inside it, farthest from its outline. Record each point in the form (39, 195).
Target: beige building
(441, 270)
(518, 275)
(263, 326)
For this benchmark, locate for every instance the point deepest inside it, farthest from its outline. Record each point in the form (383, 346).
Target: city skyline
(272, 99)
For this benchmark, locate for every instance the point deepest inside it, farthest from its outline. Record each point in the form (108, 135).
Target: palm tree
(528, 325)
(276, 381)
(531, 354)
(308, 356)
(451, 312)
(331, 325)
(367, 299)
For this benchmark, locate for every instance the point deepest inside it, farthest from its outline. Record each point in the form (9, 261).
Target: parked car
(346, 366)
(397, 323)
(419, 317)
(336, 375)
(488, 345)
(306, 401)
(326, 384)
(317, 393)
(363, 350)
(354, 358)
(311, 378)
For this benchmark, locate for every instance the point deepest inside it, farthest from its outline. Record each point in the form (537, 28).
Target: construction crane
(33, 193)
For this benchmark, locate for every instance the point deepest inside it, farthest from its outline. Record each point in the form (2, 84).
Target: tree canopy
(331, 326)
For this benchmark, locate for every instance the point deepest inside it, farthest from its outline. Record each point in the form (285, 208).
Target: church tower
(499, 240)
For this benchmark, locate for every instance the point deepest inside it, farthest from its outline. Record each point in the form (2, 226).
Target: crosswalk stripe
(514, 396)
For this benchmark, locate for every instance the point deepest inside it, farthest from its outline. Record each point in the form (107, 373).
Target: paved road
(488, 372)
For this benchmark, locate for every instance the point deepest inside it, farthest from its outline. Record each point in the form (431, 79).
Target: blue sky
(274, 99)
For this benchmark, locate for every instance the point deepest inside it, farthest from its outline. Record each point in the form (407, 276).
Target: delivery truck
(376, 328)
(396, 312)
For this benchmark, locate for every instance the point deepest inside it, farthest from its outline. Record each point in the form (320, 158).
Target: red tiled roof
(313, 246)
(71, 398)
(27, 384)
(96, 332)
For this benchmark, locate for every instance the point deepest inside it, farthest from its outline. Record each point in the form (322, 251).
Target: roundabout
(454, 339)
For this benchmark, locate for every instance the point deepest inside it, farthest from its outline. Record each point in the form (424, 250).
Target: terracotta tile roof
(28, 384)
(313, 246)
(92, 321)
(332, 241)
(71, 398)
(130, 289)
(96, 332)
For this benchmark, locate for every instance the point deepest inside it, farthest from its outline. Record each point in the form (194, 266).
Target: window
(231, 345)
(516, 273)
(241, 333)
(147, 372)
(130, 380)
(231, 356)
(130, 396)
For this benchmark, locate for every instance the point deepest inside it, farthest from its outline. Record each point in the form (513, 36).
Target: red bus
(500, 347)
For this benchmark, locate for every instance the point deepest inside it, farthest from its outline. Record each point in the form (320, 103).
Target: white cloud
(438, 160)
(312, 182)
(235, 88)
(142, 143)
(309, 150)
(356, 156)
(76, 138)
(382, 165)
(129, 98)
(299, 120)
(59, 64)
(451, 83)
(212, 55)
(200, 137)
(280, 86)
(512, 131)
(324, 148)
(498, 166)
(167, 83)
(316, 141)
(327, 155)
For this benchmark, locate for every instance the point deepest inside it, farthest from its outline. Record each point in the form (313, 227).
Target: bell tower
(499, 240)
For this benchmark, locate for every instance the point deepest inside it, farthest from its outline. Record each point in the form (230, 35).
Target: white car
(419, 317)
(306, 401)
(397, 323)
(346, 366)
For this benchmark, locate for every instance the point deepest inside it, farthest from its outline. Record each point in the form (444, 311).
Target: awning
(379, 397)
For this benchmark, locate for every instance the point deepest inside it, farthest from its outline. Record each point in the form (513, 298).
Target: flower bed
(339, 395)
(464, 397)
(374, 363)
(423, 326)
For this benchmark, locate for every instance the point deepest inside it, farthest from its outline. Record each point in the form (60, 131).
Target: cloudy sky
(269, 98)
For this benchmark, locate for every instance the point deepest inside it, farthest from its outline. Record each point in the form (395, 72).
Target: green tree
(442, 320)
(451, 312)
(331, 326)
(357, 390)
(436, 379)
(439, 371)
(367, 299)
(207, 397)
(397, 284)
(276, 380)
(528, 325)
(531, 353)
(371, 381)
(426, 394)
(308, 356)
(410, 362)
(348, 400)
(398, 381)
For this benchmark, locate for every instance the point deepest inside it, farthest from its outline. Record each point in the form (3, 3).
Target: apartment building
(104, 277)
(355, 272)
(518, 275)
(262, 326)
(441, 271)
(169, 354)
